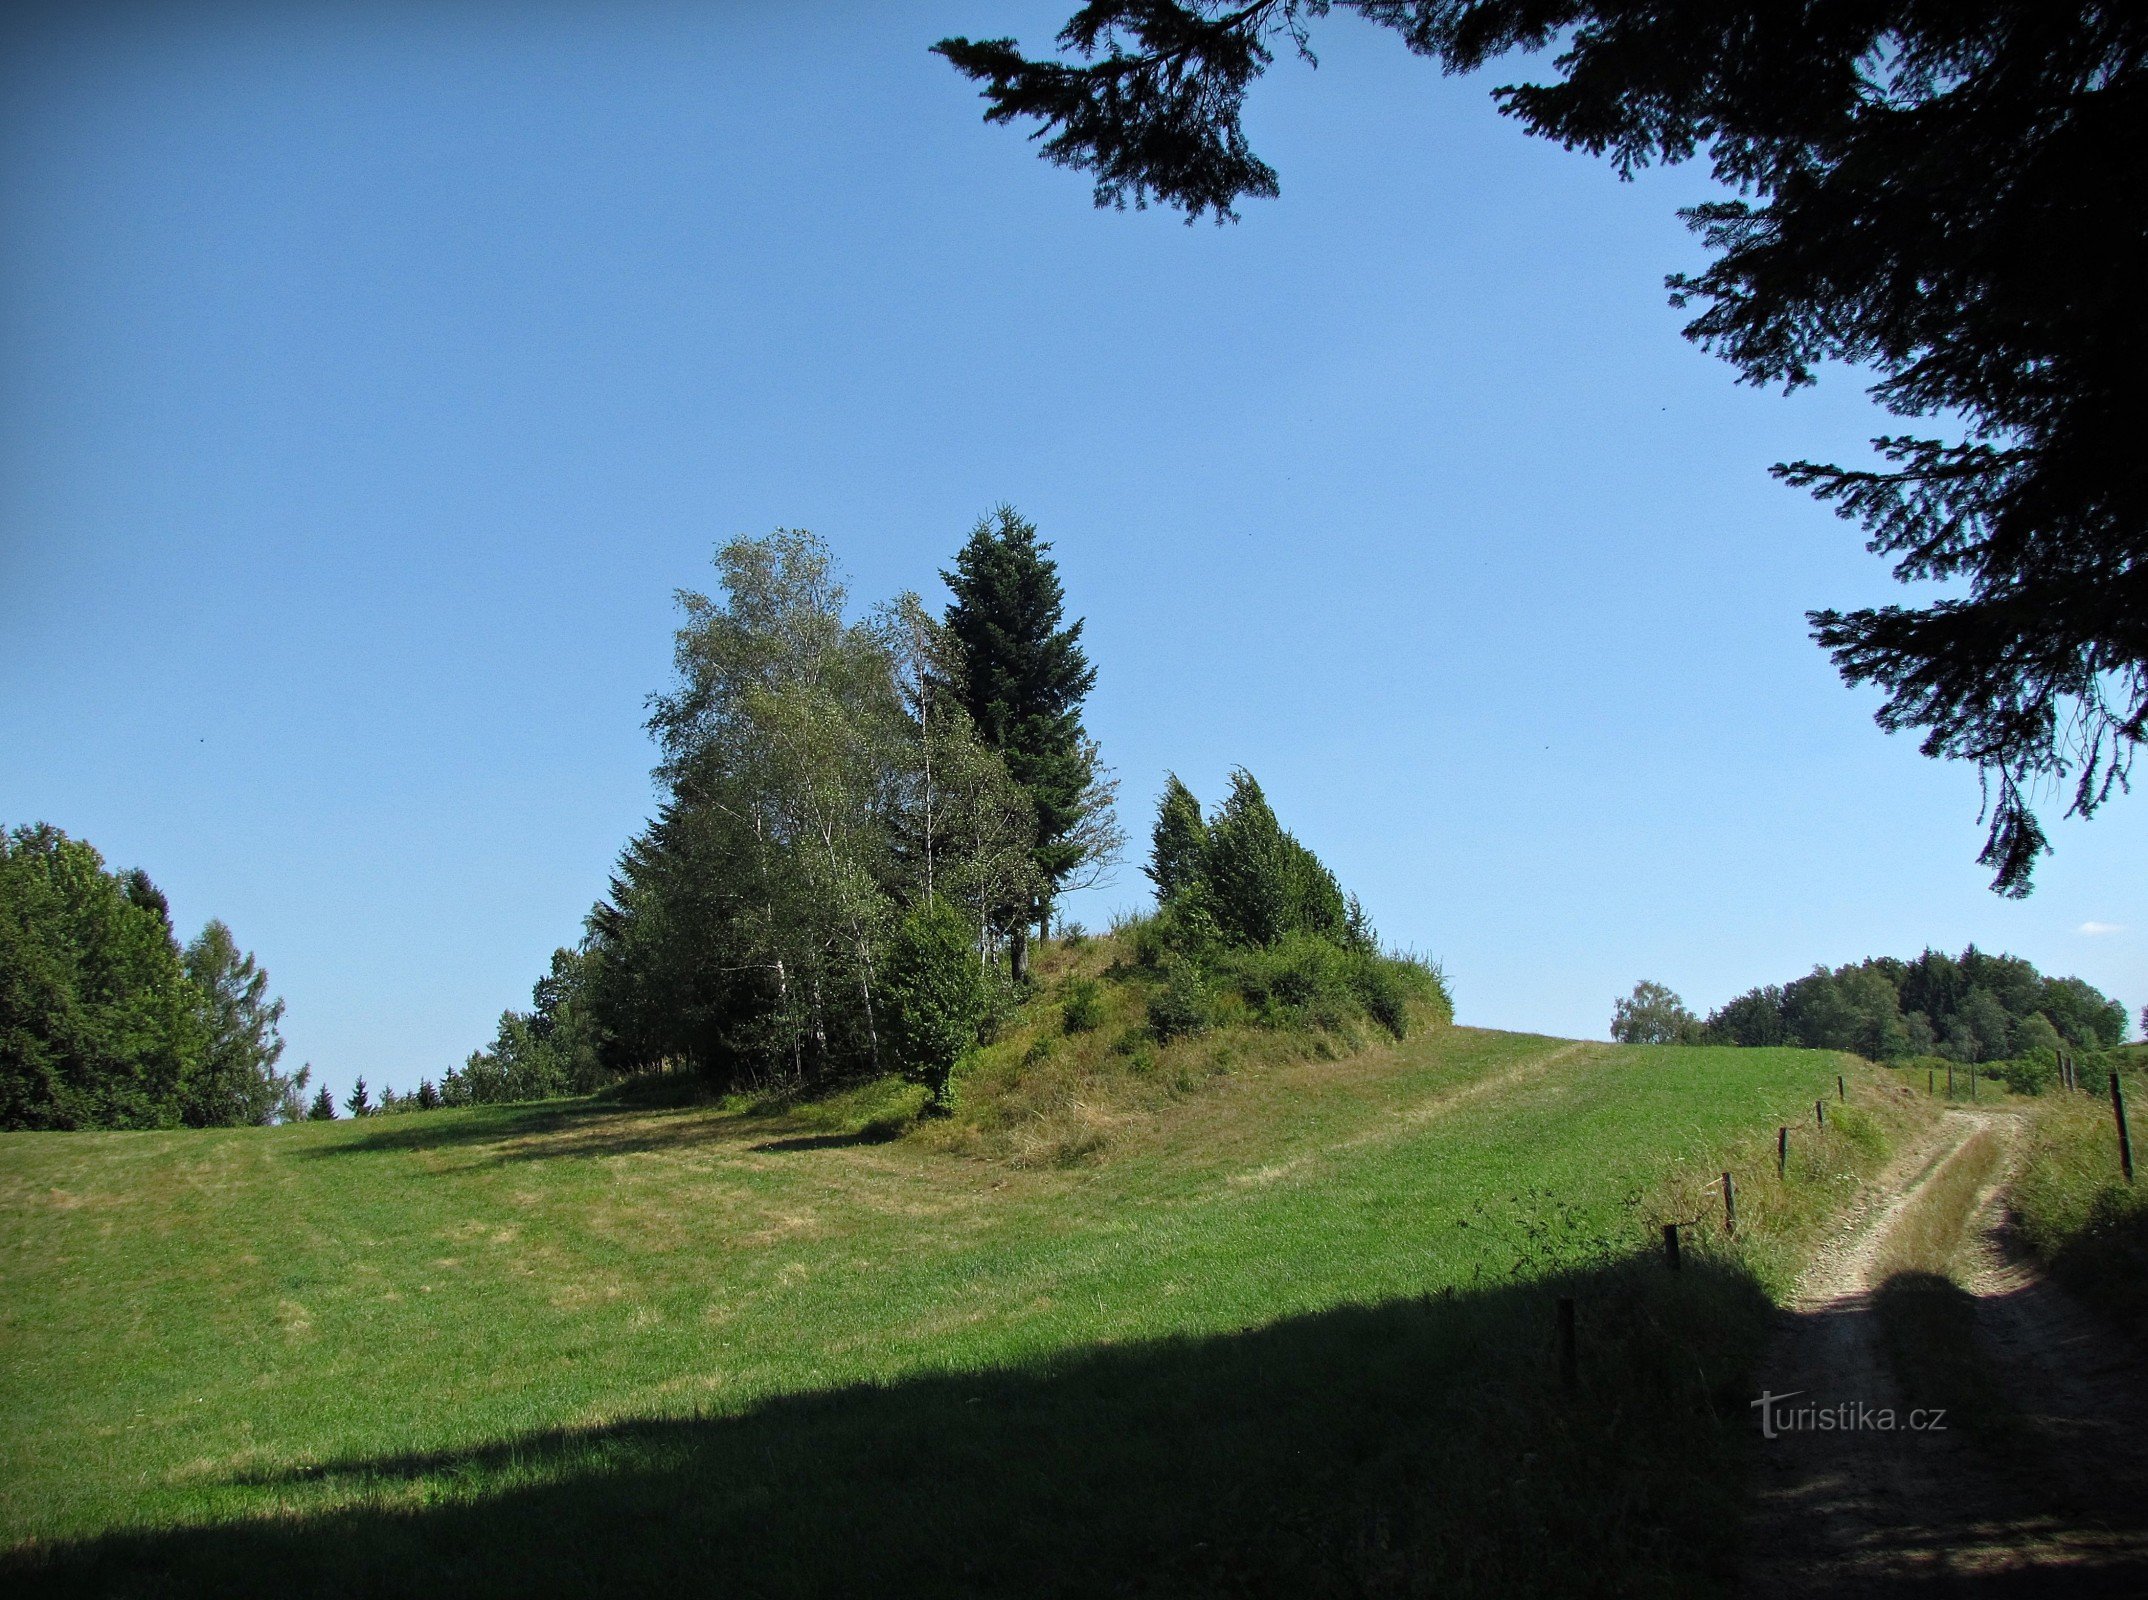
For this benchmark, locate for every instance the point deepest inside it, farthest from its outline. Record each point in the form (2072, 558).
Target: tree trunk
(1018, 950)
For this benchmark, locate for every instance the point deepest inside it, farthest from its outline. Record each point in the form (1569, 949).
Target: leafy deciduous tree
(1652, 1014)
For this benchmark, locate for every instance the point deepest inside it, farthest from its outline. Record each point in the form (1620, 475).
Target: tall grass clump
(2073, 1206)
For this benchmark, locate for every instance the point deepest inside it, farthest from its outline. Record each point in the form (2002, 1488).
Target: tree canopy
(1024, 677)
(832, 812)
(1950, 195)
(1971, 1007)
(105, 1021)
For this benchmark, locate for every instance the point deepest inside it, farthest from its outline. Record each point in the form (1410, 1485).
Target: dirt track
(2061, 1509)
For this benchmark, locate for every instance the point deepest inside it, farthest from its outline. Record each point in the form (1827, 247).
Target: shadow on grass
(871, 1133)
(1421, 1446)
(616, 1123)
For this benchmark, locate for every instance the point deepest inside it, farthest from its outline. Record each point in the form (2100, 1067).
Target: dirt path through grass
(1862, 1490)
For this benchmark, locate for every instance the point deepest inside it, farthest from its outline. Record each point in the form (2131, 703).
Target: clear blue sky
(371, 374)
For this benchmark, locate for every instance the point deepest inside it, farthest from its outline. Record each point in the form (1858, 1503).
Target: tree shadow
(871, 1133)
(1415, 1446)
(599, 1126)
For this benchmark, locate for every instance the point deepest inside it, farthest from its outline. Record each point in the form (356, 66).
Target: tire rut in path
(1878, 1511)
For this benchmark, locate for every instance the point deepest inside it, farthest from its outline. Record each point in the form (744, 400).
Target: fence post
(1930, 1084)
(1819, 1112)
(1730, 1204)
(1840, 1092)
(1670, 1244)
(1782, 1151)
(2125, 1140)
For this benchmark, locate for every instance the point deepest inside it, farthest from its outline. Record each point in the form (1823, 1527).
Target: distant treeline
(107, 1021)
(1968, 1008)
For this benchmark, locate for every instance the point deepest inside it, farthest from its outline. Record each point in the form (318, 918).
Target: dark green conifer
(1025, 677)
(1175, 844)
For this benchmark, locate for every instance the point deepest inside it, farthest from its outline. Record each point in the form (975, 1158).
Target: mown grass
(1289, 1335)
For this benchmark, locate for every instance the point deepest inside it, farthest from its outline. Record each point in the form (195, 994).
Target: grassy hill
(1287, 1329)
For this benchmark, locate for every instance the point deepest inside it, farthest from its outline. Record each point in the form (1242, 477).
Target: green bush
(938, 996)
(1185, 1003)
(1083, 1007)
(1305, 979)
(2024, 1074)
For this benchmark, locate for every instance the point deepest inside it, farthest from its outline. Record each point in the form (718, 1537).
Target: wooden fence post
(1670, 1244)
(1840, 1092)
(1819, 1112)
(1930, 1085)
(1782, 1152)
(1730, 1204)
(1569, 1368)
(2125, 1140)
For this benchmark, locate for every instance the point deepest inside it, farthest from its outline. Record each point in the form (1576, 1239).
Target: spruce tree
(1175, 844)
(323, 1108)
(359, 1105)
(428, 1096)
(1025, 677)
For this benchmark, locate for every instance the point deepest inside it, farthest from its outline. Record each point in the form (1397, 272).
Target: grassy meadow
(1283, 1326)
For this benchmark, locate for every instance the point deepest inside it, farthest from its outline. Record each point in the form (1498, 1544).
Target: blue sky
(371, 375)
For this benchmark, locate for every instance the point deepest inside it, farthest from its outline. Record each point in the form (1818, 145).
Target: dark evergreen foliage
(323, 1108)
(1255, 883)
(358, 1103)
(1951, 195)
(1176, 842)
(1024, 679)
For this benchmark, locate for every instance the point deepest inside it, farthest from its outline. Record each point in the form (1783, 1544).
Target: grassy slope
(477, 1344)
(2075, 1208)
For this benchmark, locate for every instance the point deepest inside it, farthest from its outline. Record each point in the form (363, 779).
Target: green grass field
(1292, 1334)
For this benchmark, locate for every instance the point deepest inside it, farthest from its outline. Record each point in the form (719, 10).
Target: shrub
(938, 995)
(2024, 1074)
(1297, 978)
(1083, 1008)
(1186, 1002)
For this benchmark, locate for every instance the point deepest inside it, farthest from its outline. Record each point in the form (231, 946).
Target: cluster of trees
(1968, 1008)
(549, 1050)
(107, 1021)
(863, 820)
(1246, 914)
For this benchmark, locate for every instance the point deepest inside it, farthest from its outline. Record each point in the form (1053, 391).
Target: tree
(1256, 884)
(1653, 1015)
(1024, 679)
(323, 1108)
(235, 1079)
(428, 1096)
(1754, 1019)
(358, 1104)
(937, 996)
(100, 1026)
(1948, 195)
(1176, 842)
